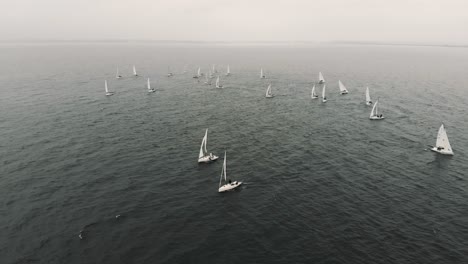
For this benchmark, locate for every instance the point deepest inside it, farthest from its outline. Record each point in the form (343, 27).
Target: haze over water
(323, 183)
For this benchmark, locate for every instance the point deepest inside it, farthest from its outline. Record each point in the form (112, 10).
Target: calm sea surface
(323, 183)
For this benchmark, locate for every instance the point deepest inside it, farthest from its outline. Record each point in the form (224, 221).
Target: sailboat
(268, 92)
(204, 156)
(117, 74)
(169, 72)
(374, 115)
(343, 89)
(228, 71)
(442, 144)
(324, 98)
(228, 185)
(214, 69)
(313, 95)
(262, 76)
(207, 81)
(198, 73)
(210, 74)
(368, 100)
(107, 89)
(321, 79)
(150, 90)
(217, 83)
(134, 71)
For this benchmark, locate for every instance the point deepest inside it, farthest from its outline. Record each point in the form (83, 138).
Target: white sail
(148, 84)
(228, 71)
(117, 74)
(261, 73)
(169, 72)
(223, 171)
(202, 152)
(321, 79)
(105, 87)
(199, 72)
(313, 95)
(214, 68)
(442, 141)
(207, 81)
(375, 111)
(343, 89)
(134, 71)
(324, 98)
(368, 99)
(268, 91)
(217, 83)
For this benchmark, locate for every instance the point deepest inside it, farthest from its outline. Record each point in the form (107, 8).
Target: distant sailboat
(321, 79)
(228, 185)
(268, 92)
(203, 155)
(107, 89)
(210, 74)
(324, 98)
(169, 72)
(198, 73)
(214, 69)
(374, 115)
(262, 76)
(442, 144)
(368, 100)
(228, 71)
(207, 80)
(150, 90)
(117, 74)
(313, 95)
(134, 71)
(343, 89)
(218, 85)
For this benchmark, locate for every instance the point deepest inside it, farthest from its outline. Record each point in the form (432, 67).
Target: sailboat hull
(229, 186)
(376, 118)
(109, 94)
(344, 92)
(442, 151)
(368, 103)
(320, 82)
(207, 159)
(269, 96)
(314, 97)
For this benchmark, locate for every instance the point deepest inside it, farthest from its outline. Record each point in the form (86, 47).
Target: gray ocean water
(323, 183)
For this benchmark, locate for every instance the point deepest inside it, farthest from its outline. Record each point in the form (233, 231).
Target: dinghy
(228, 71)
(343, 89)
(150, 90)
(198, 75)
(442, 144)
(268, 92)
(313, 95)
(374, 115)
(368, 100)
(203, 155)
(117, 74)
(218, 85)
(107, 89)
(226, 185)
(324, 98)
(321, 79)
(169, 72)
(134, 71)
(262, 76)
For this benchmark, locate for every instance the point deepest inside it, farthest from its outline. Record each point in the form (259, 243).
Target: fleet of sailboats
(268, 92)
(343, 89)
(368, 100)
(203, 155)
(226, 184)
(442, 143)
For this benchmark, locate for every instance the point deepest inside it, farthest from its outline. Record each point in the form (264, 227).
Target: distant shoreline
(143, 41)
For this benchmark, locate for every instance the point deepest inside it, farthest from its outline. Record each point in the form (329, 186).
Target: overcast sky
(423, 21)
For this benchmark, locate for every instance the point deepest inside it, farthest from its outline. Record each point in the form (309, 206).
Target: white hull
(344, 92)
(207, 159)
(229, 186)
(324, 100)
(376, 117)
(109, 93)
(321, 82)
(169, 74)
(269, 96)
(369, 103)
(442, 151)
(314, 97)
(151, 91)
